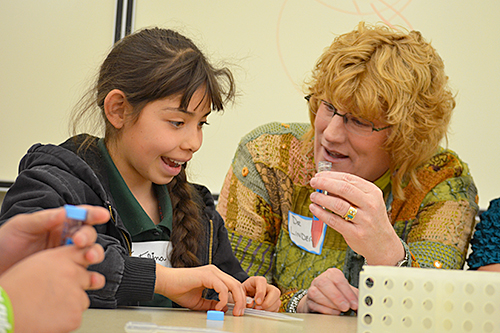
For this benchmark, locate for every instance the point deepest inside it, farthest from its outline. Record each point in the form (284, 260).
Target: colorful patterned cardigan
(269, 176)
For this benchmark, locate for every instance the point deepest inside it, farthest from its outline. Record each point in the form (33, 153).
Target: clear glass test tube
(324, 166)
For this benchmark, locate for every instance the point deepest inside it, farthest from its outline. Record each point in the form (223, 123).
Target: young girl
(154, 93)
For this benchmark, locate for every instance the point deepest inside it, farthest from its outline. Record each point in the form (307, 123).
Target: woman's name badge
(299, 228)
(157, 250)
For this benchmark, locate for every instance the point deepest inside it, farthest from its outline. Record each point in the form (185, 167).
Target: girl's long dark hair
(152, 64)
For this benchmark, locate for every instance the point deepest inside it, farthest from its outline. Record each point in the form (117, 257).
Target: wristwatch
(294, 301)
(405, 262)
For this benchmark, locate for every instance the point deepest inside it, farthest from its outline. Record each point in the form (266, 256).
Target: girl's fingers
(239, 300)
(223, 284)
(272, 300)
(256, 286)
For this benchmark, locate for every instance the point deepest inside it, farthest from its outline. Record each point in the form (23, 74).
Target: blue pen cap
(76, 213)
(215, 315)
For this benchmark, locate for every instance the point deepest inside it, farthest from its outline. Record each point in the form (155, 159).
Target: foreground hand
(265, 296)
(47, 289)
(25, 234)
(329, 293)
(185, 287)
(370, 233)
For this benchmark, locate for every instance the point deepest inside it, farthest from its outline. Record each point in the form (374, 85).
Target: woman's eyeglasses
(352, 123)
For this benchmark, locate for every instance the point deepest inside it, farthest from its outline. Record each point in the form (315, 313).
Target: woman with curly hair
(379, 107)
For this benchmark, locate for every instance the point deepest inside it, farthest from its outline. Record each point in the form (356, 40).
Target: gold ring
(351, 213)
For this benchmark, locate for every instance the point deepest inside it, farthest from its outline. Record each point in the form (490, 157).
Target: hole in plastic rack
(387, 320)
(467, 325)
(488, 327)
(448, 306)
(427, 323)
(469, 288)
(489, 290)
(407, 322)
(428, 305)
(369, 282)
(387, 301)
(408, 284)
(447, 324)
(449, 288)
(429, 286)
(489, 308)
(468, 307)
(408, 303)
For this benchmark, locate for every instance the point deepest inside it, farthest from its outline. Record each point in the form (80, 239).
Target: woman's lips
(336, 154)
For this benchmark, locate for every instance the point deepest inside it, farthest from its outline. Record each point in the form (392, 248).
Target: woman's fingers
(347, 190)
(345, 182)
(332, 220)
(318, 308)
(332, 290)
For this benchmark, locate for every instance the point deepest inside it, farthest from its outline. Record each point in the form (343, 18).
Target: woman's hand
(370, 232)
(329, 293)
(265, 296)
(185, 287)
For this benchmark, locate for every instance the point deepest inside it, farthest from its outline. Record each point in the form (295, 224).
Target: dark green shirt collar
(135, 219)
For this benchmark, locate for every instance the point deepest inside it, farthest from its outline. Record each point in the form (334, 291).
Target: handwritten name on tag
(157, 250)
(299, 228)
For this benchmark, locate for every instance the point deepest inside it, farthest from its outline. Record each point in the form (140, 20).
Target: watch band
(406, 261)
(294, 301)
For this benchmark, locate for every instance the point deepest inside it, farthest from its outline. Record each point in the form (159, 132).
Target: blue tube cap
(76, 213)
(215, 315)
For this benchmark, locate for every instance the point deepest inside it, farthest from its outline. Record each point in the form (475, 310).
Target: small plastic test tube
(75, 217)
(317, 225)
(215, 319)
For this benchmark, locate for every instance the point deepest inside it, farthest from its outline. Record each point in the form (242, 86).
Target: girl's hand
(265, 296)
(185, 287)
(369, 233)
(329, 293)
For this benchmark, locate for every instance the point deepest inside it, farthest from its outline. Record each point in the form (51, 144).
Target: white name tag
(299, 228)
(157, 250)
